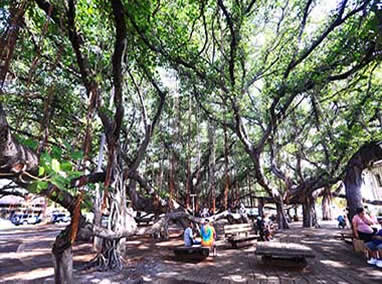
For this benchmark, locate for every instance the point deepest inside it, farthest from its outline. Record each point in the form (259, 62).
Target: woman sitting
(362, 230)
(362, 226)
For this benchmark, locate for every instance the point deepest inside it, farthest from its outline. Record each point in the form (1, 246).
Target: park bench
(195, 252)
(348, 238)
(240, 234)
(283, 254)
(146, 219)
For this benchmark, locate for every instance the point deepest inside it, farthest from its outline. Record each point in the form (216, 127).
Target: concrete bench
(241, 234)
(283, 254)
(195, 252)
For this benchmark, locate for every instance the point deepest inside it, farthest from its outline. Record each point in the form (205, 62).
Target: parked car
(23, 219)
(32, 220)
(19, 219)
(60, 217)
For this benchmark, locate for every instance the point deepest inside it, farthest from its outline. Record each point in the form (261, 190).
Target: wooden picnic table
(240, 234)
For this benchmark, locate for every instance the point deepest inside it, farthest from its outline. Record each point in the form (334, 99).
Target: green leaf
(55, 165)
(46, 158)
(56, 152)
(41, 171)
(59, 181)
(33, 187)
(41, 185)
(67, 145)
(77, 155)
(66, 166)
(30, 143)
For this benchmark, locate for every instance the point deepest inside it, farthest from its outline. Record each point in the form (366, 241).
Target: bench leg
(259, 259)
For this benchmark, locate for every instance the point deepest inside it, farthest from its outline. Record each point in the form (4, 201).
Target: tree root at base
(108, 260)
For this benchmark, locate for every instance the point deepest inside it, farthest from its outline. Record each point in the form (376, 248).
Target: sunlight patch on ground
(80, 247)
(133, 242)
(167, 274)
(30, 275)
(309, 242)
(84, 258)
(333, 263)
(18, 255)
(236, 278)
(259, 276)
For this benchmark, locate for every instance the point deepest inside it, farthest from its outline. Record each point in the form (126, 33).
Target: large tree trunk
(63, 258)
(115, 190)
(112, 252)
(62, 249)
(261, 207)
(309, 212)
(367, 154)
(281, 218)
(211, 172)
(327, 205)
(189, 151)
(226, 169)
(63, 266)
(171, 179)
(250, 191)
(97, 242)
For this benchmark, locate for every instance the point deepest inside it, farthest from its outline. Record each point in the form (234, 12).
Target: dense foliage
(294, 84)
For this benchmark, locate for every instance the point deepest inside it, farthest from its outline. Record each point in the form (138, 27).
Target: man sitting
(188, 237)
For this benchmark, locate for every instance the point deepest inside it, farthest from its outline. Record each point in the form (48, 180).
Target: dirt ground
(25, 257)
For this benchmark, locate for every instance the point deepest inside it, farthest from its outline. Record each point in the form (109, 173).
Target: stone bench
(283, 254)
(195, 252)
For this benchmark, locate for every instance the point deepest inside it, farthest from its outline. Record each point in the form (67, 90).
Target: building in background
(372, 182)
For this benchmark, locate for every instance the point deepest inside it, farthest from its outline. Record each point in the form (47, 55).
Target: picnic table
(240, 234)
(283, 254)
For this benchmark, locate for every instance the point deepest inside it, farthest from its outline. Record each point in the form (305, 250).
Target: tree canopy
(289, 90)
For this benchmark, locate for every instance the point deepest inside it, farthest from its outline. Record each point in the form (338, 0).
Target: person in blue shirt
(188, 236)
(341, 222)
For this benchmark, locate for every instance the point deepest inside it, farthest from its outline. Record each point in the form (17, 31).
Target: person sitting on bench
(375, 249)
(188, 237)
(208, 234)
(362, 226)
(264, 225)
(362, 230)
